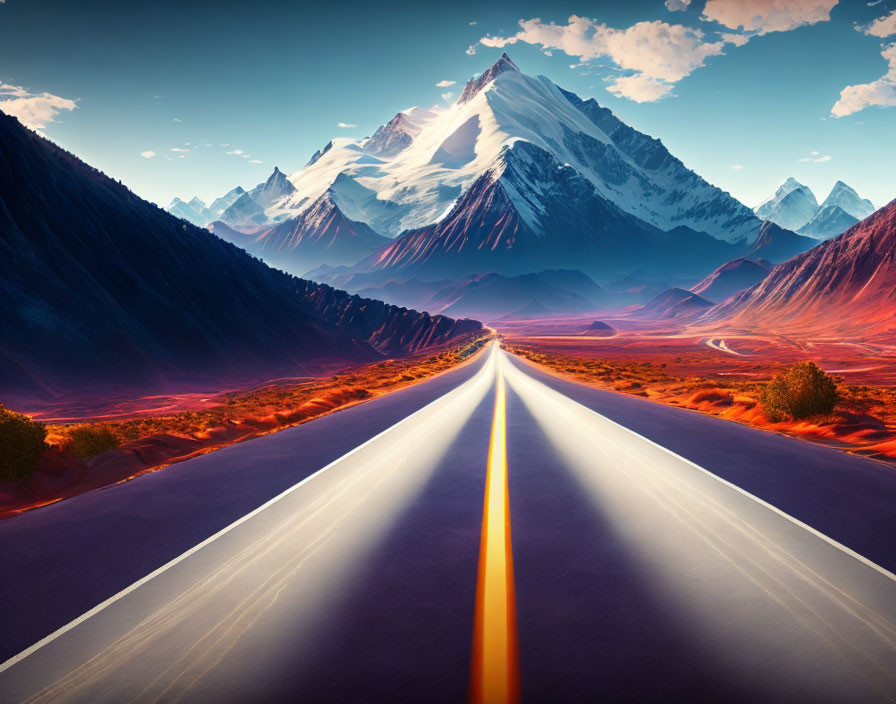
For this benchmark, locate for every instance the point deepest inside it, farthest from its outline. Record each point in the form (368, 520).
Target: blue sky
(741, 90)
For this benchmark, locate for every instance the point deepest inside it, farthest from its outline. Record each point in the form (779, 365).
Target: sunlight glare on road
(495, 675)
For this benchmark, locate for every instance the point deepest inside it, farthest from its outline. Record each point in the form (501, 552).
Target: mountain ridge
(103, 290)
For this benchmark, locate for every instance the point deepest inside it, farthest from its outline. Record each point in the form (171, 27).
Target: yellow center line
(495, 667)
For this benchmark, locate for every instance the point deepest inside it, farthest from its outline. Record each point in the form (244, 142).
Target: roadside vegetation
(21, 445)
(798, 392)
(89, 439)
(151, 441)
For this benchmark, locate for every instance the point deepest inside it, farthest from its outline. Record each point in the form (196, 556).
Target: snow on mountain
(397, 134)
(851, 202)
(243, 212)
(219, 205)
(322, 234)
(530, 211)
(269, 192)
(415, 168)
(829, 221)
(193, 211)
(791, 207)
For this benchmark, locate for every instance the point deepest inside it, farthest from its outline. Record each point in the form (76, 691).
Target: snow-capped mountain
(238, 208)
(851, 202)
(270, 192)
(413, 170)
(321, 235)
(244, 213)
(220, 205)
(794, 206)
(193, 211)
(829, 221)
(791, 207)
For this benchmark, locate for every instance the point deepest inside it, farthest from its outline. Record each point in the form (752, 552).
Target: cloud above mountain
(879, 93)
(34, 110)
(658, 53)
(764, 16)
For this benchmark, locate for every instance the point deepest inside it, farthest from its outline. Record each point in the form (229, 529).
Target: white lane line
(852, 553)
(196, 548)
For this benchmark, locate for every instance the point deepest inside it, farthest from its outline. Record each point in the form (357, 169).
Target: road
(491, 535)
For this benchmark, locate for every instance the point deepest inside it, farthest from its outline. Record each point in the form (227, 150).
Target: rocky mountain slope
(846, 284)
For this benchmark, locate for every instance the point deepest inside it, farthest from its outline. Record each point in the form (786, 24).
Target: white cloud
(445, 84)
(881, 93)
(677, 5)
(736, 39)
(736, 167)
(34, 110)
(815, 157)
(639, 88)
(473, 23)
(255, 161)
(447, 95)
(471, 50)
(658, 53)
(176, 119)
(236, 152)
(178, 149)
(882, 26)
(147, 154)
(346, 125)
(764, 16)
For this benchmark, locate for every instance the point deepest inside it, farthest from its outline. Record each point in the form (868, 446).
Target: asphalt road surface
(495, 534)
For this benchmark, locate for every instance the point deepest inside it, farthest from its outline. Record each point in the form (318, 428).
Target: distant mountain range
(494, 296)
(845, 285)
(104, 292)
(732, 277)
(794, 206)
(674, 304)
(516, 177)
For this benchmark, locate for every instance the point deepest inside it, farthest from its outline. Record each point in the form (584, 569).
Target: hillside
(846, 284)
(103, 291)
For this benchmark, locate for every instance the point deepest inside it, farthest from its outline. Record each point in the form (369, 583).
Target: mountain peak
(474, 85)
(846, 198)
(791, 184)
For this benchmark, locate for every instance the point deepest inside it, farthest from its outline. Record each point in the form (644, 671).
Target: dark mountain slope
(103, 290)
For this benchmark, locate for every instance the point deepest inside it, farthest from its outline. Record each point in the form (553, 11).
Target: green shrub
(90, 440)
(21, 445)
(799, 391)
